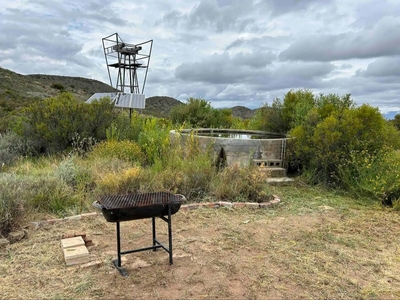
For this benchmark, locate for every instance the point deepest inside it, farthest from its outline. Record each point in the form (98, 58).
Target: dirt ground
(220, 253)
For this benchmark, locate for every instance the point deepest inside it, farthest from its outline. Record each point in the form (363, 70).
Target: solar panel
(125, 100)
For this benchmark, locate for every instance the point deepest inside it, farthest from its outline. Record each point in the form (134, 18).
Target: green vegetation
(58, 86)
(53, 123)
(57, 155)
(199, 113)
(336, 143)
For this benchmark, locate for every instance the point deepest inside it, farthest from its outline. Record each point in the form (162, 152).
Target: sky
(228, 52)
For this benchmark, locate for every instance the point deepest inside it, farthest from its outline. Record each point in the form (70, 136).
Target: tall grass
(21, 196)
(54, 185)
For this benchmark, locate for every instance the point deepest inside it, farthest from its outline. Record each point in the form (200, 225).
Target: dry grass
(296, 250)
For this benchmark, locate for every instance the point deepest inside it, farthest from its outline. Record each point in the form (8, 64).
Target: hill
(17, 90)
(160, 106)
(243, 112)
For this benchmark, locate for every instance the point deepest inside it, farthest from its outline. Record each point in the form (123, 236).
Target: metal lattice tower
(128, 64)
(127, 60)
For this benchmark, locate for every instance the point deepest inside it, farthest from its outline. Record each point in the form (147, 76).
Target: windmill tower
(128, 64)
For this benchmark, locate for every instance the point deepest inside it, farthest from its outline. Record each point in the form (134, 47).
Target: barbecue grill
(119, 208)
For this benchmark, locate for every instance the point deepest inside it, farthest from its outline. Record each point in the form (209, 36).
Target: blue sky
(228, 52)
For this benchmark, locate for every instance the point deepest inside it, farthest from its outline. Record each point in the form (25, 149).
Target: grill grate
(138, 200)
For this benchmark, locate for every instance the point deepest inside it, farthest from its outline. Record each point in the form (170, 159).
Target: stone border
(184, 207)
(40, 224)
(228, 204)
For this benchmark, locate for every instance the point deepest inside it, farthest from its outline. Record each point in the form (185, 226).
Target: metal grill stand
(156, 243)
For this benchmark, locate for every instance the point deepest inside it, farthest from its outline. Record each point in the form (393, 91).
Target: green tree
(396, 121)
(296, 105)
(284, 115)
(269, 118)
(200, 114)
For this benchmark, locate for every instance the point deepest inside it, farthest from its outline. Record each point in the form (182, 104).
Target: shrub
(154, 139)
(53, 123)
(375, 175)
(81, 145)
(284, 115)
(21, 195)
(73, 174)
(186, 170)
(239, 184)
(58, 86)
(200, 113)
(396, 121)
(123, 150)
(125, 182)
(12, 208)
(13, 146)
(334, 129)
(50, 195)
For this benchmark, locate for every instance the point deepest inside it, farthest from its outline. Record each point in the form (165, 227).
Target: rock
(251, 204)
(4, 242)
(225, 204)
(36, 225)
(94, 264)
(326, 207)
(16, 236)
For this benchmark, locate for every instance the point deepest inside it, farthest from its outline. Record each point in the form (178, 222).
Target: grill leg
(153, 222)
(118, 246)
(117, 262)
(170, 234)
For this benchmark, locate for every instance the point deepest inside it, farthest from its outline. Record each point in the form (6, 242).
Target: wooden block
(72, 242)
(76, 255)
(77, 261)
(75, 252)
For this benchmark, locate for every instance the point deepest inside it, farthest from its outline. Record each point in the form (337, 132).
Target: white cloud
(380, 40)
(225, 51)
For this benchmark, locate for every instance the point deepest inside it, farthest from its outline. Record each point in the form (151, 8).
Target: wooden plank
(75, 252)
(72, 242)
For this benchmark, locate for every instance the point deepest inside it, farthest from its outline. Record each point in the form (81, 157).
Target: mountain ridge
(16, 90)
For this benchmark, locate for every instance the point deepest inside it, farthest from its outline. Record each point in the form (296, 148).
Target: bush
(53, 123)
(240, 184)
(284, 115)
(396, 121)
(185, 170)
(125, 182)
(13, 146)
(81, 145)
(58, 86)
(200, 114)
(10, 149)
(12, 205)
(154, 139)
(22, 195)
(73, 174)
(375, 175)
(50, 195)
(332, 131)
(124, 150)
